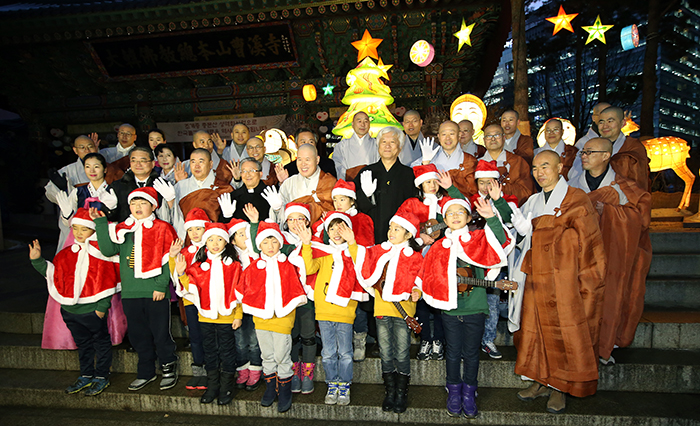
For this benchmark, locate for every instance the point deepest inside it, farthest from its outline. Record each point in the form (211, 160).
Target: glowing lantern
(629, 37)
(569, 135)
(464, 34)
(597, 31)
(472, 108)
(562, 20)
(367, 46)
(309, 92)
(422, 53)
(669, 152)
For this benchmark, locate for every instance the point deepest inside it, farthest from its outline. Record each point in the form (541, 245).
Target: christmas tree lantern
(309, 92)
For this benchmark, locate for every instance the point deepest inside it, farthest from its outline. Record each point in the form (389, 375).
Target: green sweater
(132, 287)
(475, 302)
(101, 305)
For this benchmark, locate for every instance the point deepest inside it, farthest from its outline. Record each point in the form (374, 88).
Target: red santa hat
(336, 215)
(297, 208)
(196, 217)
(215, 229)
(266, 229)
(344, 188)
(458, 201)
(147, 193)
(235, 225)
(407, 221)
(423, 173)
(82, 217)
(486, 169)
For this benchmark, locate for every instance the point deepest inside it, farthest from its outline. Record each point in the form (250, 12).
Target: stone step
(426, 403)
(673, 293)
(674, 265)
(641, 370)
(675, 242)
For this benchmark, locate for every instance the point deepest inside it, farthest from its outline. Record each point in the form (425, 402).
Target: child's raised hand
(237, 323)
(415, 295)
(175, 247)
(302, 231)
(34, 250)
(484, 208)
(180, 264)
(95, 213)
(252, 213)
(495, 188)
(346, 232)
(444, 179)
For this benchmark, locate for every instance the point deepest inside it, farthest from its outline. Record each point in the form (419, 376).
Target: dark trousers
(149, 333)
(304, 335)
(247, 348)
(195, 333)
(462, 343)
(219, 344)
(94, 344)
(423, 314)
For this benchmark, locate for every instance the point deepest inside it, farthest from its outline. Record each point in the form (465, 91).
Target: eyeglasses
(493, 137)
(132, 161)
(550, 131)
(125, 134)
(587, 152)
(457, 213)
(249, 172)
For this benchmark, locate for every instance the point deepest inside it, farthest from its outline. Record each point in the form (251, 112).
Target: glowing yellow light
(463, 35)
(367, 46)
(422, 53)
(562, 21)
(309, 92)
(597, 31)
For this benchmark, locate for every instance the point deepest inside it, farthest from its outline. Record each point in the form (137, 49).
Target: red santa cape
(343, 285)
(362, 226)
(152, 240)
(80, 274)
(212, 286)
(437, 278)
(402, 267)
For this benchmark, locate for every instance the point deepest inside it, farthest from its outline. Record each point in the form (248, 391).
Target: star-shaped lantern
(463, 35)
(562, 20)
(597, 31)
(328, 90)
(367, 46)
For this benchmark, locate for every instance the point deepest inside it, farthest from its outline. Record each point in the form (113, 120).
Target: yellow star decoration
(562, 20)
(463, 35)
(597, 31)
(367, 46)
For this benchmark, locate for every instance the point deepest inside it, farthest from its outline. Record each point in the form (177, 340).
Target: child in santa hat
(271, 289)
(490, 189)
(83, 281)
(434, 189)
(396, 262)
(335, 295)
(464, 309)
(344, 197)
(248, 351)
(194, 226)
(143, 244)
(209, 283)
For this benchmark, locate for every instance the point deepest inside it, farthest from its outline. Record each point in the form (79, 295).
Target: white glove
(272, 197)
(428, 149)
(109, 199)
(67, 202)
(165, 189)
(368, 184)
(521, 223)
(227, 206)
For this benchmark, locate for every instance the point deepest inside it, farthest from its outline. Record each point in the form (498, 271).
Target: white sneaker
(609, 361)
(332, 394)
(343, 393)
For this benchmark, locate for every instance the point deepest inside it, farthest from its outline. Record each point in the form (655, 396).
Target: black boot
(390, 391)
(213, 385)
(401, 393)
(227, 388)
(270, 391)
(169, 379)
(284, 392)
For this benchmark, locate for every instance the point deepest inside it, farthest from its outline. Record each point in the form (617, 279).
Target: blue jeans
(360, 325)
(195, 333)
(462, 342)
(247, 347)
(336, 353)
(394, 339)
(492, 320)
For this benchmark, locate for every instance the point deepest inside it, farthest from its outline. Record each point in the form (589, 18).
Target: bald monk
(629, 157)
(593, 130)
(625, 213)
(553, 132)
(563, 258)
(514, 170)
(516, 142)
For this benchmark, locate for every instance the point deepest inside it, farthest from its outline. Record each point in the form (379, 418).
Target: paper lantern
(328, 90)
(562, 21)
(464, 34)
(422, 53)
(367, 46)
(322, 116)
(569, 135)
(629, 37)
(597, 31)
(670, 152)
(309, 92)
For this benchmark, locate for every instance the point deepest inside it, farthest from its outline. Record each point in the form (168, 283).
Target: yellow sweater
(387, 309)
(326, 311)
(282, 325)
(221, 319)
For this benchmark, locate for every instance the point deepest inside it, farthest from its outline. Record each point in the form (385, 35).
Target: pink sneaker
(243, 376)
(253, 380)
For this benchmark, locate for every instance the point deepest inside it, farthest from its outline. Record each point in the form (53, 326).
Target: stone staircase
(655, 381)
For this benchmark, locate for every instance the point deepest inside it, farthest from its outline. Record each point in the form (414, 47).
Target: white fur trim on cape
(391, 257)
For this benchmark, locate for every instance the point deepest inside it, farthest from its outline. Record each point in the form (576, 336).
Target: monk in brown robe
(516, 142)
(514, 170)
(553, 132)
(625, 213)
(564, 260)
